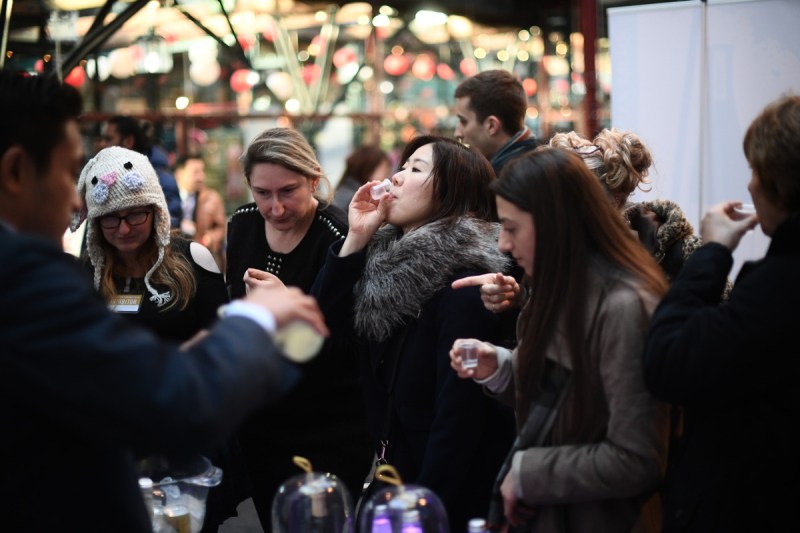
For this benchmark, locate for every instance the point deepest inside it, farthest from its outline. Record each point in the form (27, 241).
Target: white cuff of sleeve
(516, 468)
(500, 380)
(252, 311)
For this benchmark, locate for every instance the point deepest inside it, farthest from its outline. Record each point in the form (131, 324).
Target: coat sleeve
(333, 287)
(629, 458)
(700, 352)
(81, 366)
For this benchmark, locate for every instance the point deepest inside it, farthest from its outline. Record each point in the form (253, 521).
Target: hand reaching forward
(724, 225)
(498, 291)
(288, 304)
(364, 217)
(487, 360)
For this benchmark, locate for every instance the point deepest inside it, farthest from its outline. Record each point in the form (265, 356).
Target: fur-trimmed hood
(670, 229)
(403, 272)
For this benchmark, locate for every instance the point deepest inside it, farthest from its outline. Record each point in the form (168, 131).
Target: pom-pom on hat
(114, 180)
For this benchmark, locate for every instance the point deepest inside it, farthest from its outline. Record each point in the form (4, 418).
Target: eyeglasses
(137, 218)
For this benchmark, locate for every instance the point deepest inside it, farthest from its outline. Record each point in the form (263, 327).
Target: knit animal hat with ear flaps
(116, 179)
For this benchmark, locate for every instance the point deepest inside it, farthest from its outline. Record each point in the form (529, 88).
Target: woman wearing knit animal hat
(148, 272)
(157, 279)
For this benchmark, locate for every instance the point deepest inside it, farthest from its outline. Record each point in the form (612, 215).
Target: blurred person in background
(388, 283)
(204, 218)
(282, 238)
(733, 368)
(366, 163)
(84, 390)
(490, 107)
(126, 131)
(594, 462)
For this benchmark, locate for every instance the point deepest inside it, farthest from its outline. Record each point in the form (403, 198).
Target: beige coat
(605, 483)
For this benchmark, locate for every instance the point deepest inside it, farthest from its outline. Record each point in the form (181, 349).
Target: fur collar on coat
(403, 272)
(670, 229)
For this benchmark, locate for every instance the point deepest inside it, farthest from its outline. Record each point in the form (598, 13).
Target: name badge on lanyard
(125, 303)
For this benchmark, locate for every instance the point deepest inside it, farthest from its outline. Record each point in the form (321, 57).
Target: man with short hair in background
(204, 219)
(491, 108)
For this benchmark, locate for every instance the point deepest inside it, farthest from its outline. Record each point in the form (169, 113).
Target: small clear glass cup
(746, 209)
(380, 189)
(469, 354)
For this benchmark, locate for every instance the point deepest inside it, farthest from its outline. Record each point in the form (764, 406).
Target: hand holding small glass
(722, 224)
(364, 216)
(481, 359)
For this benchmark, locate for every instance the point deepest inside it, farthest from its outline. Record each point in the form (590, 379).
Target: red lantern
(468, 67)
(344, 56)
(76, 77)
(243, 79)
(530, 86)
(317, 47)
(395, 65)
(270, 32)
(310, 73)
(246, 42)
(424, 67)
(444, 71)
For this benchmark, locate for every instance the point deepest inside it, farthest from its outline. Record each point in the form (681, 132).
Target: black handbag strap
(394, 356)
(537, 428)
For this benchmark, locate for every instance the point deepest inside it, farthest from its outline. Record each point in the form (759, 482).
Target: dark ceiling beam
(100, 34)
(233, 31)
(101, 15)
(5, 20)
(237, 53)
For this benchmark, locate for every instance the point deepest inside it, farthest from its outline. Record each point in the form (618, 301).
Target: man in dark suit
(82, 391)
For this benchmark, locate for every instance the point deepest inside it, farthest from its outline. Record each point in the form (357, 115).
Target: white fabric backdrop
(688, 78)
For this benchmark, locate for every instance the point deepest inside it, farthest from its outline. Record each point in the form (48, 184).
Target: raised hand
(724, 225)
(364, 217)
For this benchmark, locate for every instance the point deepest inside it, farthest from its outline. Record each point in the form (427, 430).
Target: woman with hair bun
(622, 163)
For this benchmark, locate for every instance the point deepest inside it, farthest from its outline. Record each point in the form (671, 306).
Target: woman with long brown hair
(581, 334)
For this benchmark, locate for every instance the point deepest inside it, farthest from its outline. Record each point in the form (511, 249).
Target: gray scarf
(404, 271)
